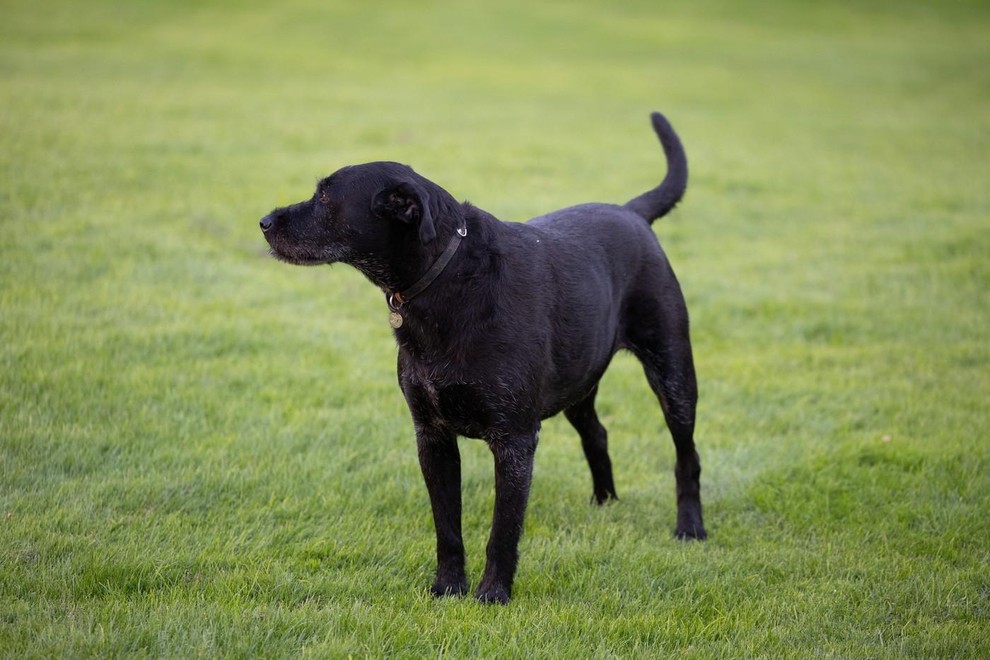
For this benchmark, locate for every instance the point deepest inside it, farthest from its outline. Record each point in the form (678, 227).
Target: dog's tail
(659, 201)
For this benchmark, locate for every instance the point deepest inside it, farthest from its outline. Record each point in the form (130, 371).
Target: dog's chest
(439, 397)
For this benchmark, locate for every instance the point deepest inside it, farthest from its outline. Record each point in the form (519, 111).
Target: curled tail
(659, 201)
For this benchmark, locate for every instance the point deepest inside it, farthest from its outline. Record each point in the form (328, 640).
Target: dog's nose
(267, 222)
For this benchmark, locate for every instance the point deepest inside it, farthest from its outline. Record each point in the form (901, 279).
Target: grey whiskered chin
(297, 260)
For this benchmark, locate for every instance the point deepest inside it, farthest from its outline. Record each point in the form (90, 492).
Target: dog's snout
(267, 222)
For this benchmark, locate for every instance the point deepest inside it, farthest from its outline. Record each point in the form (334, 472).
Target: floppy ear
(406, 202)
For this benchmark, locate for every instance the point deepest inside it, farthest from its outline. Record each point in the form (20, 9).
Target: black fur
(518, 327)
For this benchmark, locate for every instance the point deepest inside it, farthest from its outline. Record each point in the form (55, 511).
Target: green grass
(203, 452)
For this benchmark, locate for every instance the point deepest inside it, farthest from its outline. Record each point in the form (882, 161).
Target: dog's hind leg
(671, 376)
(659, 338)
(594, 441)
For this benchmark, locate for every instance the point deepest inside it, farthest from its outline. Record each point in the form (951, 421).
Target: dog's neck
(429, 321)
(406, 268)
(396, 299)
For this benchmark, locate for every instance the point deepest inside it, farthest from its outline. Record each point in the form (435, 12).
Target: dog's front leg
(441, 464)
(513, 474)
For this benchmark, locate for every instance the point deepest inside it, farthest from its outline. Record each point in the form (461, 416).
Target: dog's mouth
(284, 246)
(279, 249)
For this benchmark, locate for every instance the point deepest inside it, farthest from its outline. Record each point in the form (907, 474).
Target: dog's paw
(492, 593)
(604, 498)
(691, 533)
(449, 586)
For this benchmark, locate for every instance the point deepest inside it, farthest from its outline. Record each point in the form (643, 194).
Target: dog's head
(364, 215)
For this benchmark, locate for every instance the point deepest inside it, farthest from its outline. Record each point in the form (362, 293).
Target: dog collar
(397, 299)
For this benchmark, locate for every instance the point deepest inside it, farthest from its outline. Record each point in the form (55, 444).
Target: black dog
(501, 325)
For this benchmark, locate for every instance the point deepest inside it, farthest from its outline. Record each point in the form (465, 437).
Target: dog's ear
(406, 202)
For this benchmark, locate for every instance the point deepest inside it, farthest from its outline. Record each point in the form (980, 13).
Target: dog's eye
(324, 197)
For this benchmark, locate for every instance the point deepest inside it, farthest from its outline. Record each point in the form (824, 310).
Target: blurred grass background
(203, 452)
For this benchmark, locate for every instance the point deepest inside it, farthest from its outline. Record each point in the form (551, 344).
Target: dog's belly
(564, 396)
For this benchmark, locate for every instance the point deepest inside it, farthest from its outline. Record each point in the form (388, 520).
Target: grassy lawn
(203, 452)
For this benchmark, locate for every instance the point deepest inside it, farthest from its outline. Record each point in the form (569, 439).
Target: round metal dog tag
(395, 319)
